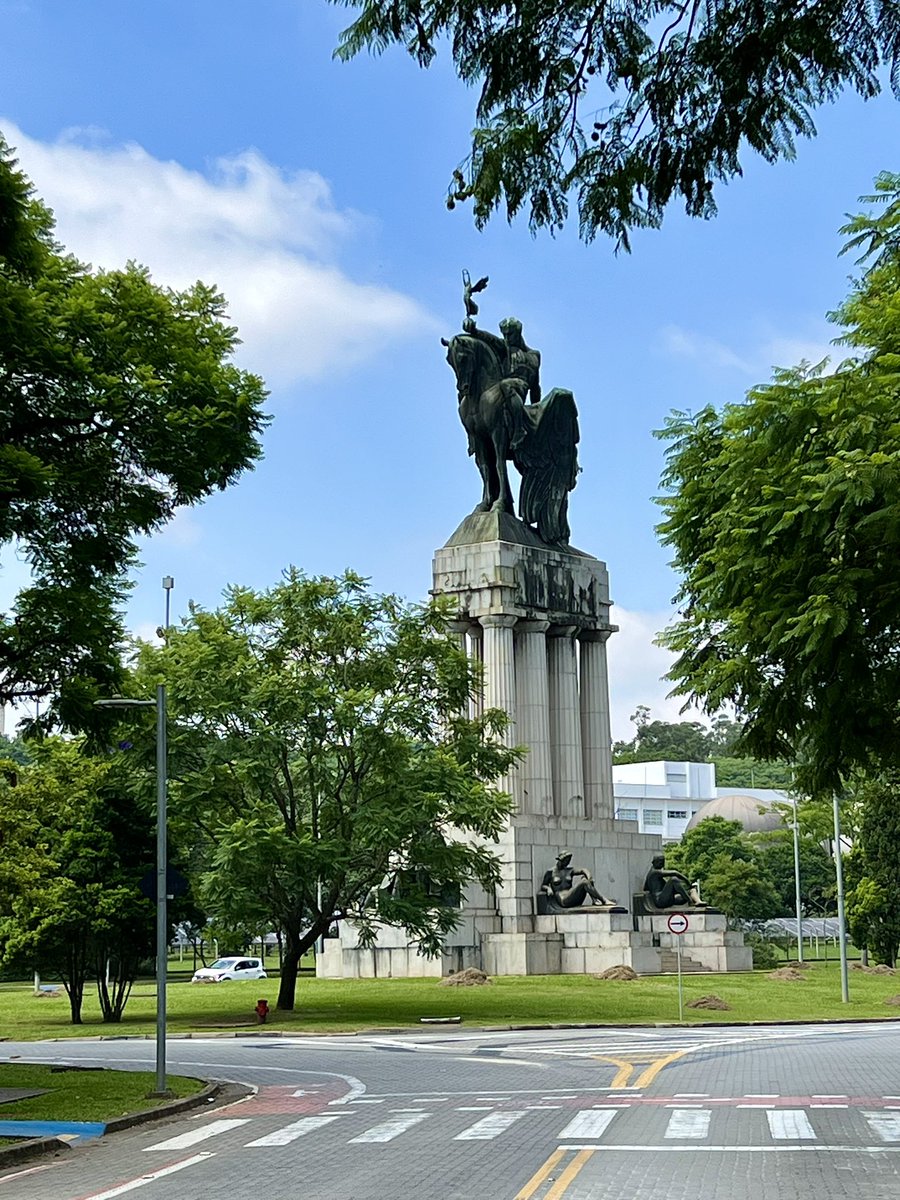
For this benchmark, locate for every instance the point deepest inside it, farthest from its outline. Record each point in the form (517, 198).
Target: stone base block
(521, 953)
(600, 924)
(698, 922)
(724, 958)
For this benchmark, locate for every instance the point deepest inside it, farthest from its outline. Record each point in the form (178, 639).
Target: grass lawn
(329, 1006)
(79, 1095)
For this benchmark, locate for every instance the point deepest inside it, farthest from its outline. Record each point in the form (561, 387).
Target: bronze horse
(540, 438)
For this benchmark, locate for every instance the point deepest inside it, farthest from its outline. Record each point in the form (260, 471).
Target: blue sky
(221, 141)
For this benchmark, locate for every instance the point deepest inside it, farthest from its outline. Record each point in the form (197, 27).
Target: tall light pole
(842, 923)
(162, 914)
(797, 885)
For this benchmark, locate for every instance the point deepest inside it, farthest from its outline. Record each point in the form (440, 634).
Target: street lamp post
(162, 914)
(842, 917)
(797, 884)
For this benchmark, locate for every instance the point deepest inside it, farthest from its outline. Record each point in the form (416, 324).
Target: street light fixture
(162, 915)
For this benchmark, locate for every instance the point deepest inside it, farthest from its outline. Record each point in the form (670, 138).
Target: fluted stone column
(565, 722)
(475, 646)
(596, 736)
(460, 630)
(500, 668)
(534, 792)
(500, 679)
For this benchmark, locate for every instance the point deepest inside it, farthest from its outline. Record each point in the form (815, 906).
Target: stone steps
(668, 963)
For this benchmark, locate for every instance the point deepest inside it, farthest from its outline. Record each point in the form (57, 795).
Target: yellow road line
(539, 1176)
(654, 1069)
(559, 1187)
(621, 1077)
(628, 1065)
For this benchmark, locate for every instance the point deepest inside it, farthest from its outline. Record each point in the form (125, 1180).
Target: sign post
(678, 924)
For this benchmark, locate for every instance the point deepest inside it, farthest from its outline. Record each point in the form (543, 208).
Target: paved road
(554, 1115)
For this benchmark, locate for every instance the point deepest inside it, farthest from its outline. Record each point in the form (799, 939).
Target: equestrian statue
(500, 406)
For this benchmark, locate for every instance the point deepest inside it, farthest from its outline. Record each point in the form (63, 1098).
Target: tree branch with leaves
(629, 107)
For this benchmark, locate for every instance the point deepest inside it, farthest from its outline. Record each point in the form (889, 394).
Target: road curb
(33, 1148)
(218, 1089)
(171, 1108)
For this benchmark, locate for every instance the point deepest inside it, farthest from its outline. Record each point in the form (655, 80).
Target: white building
(662, 796)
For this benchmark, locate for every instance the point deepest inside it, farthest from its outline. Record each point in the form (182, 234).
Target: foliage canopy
(723, 859)
(784, 515)
(321, 765)
(872, 909)
(74, 845)
(119, 403)
(629, 106)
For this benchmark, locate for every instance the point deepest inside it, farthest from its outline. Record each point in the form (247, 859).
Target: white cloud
(683, 343)
(636, 669)
(146, 631)
(267, 239)
(770, 351)
(183, 530)
(790, 352)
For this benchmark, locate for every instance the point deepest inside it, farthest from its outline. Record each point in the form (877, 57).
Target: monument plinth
(537, 618)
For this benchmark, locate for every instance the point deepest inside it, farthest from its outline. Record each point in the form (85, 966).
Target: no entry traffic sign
(678, 923)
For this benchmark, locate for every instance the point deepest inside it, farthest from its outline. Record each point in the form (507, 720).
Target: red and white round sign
(677, 923)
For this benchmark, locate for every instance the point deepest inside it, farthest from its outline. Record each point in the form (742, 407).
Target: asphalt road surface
(603, 1114)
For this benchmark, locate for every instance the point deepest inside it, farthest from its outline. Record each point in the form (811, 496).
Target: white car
(230, 968)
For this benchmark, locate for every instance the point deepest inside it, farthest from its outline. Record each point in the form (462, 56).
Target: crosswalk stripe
(689, 1123)
(290, 1133)
(183, 1140)
(489, 1127)
(789, 1123)
(388, 1130)
(885, 1124)
(685, 1122)
(589, 1123)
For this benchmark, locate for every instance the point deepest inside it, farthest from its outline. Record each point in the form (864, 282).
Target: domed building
(669, 798)
(754, 813)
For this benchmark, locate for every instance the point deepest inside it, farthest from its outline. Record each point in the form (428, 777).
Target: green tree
(682, 741)
(724, 736)
(751, 773)
(775, 852)
(320, 755)
(119, 403)
(630, 106)
(74, 845)
(691, 741)
(13, 749)
(742, 889)
(695, 854)
(784, 516)
(872, 908)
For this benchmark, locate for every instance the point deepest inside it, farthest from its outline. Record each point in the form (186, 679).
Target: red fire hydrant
(262, 1011)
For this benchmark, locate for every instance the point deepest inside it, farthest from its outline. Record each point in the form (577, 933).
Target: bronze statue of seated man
(669, 889)
(560, 893)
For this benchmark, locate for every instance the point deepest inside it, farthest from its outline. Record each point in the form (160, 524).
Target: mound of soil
(788, 975)
(880, 969)
(621, 972)
(470, 977)
(895, 1000)
(798, 965)
(711, 1001)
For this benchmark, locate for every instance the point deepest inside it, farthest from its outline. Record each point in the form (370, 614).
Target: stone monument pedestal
(537, 618)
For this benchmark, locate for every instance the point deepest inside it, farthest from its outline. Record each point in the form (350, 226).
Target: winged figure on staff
(500, 406)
